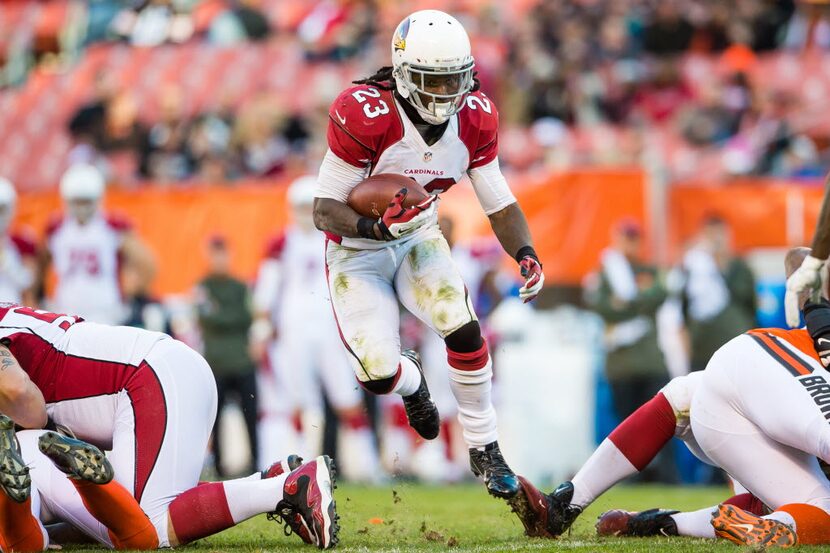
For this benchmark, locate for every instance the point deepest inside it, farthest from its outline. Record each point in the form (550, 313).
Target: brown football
(371, 197)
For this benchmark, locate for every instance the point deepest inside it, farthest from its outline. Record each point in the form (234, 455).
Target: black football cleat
(561, 512)
(14, 474)
(420, 409)
(75, 458)
(489, 463)
(653, 522)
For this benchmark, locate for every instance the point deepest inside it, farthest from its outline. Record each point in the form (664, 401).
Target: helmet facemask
(437, 93)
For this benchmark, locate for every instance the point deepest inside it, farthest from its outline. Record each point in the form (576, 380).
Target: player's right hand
(398, 221)
(806, 278)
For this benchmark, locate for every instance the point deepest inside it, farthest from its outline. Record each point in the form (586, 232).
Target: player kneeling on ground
(423, 118)
(151, 401)
(758, 412)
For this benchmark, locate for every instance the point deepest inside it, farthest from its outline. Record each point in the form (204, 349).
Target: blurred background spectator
(718, 292)
(627, 293)
(224, 310)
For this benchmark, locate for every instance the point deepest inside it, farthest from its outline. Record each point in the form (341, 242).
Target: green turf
(464, 518)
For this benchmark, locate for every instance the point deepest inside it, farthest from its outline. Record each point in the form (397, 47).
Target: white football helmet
(8, 200)
(431, 50)
(82, 187)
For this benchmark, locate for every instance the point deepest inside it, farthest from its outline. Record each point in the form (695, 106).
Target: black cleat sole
(75, 458)
(15, 479)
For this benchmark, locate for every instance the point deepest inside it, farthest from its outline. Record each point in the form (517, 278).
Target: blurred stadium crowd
(182, 91)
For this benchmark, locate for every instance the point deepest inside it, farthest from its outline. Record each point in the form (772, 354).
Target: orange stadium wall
(571, 216)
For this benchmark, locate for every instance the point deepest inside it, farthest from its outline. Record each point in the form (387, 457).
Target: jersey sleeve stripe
(795, 366)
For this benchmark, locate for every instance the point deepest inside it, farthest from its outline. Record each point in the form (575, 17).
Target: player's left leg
(664, 522)
(179, 509)
(430, 287)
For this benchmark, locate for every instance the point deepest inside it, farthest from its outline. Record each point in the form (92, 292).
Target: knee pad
(466, 339)
(381, 386)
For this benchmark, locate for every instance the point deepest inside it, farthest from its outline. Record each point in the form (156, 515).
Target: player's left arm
(139, 261)
(509, 224)
(20, 399)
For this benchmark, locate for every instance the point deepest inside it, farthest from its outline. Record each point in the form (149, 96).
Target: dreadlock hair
(384, 80)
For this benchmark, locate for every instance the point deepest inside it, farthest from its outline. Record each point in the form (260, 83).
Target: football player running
(424, 117)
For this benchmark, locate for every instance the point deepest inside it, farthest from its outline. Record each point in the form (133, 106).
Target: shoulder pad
(366, 113)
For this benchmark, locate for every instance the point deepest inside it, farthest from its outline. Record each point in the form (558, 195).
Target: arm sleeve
(491, 187)
(337, 177)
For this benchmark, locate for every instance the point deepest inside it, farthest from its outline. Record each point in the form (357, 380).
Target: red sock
(642, 435)
(812, 525)
(19, 529)
(748, 503)
(199, 512)
(117, 509)
(210, 508)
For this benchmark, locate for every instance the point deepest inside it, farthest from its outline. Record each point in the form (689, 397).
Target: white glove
(534, 278)
(805, 278)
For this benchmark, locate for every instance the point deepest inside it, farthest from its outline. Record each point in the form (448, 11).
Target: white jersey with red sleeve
(86, 259)
(15, 276)
(369, 132)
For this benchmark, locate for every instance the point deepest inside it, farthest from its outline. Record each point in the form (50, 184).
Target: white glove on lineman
(805, 278)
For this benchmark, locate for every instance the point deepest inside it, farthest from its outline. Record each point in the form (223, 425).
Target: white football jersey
(15, 276)
(86, 260)
(291, 284)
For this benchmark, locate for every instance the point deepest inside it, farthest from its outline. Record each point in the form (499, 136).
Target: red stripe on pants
(150, 414)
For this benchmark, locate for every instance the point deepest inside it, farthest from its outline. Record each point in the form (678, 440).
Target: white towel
(706, 288)
(623, 284)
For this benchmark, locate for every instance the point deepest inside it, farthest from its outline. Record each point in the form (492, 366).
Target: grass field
(463, 518)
